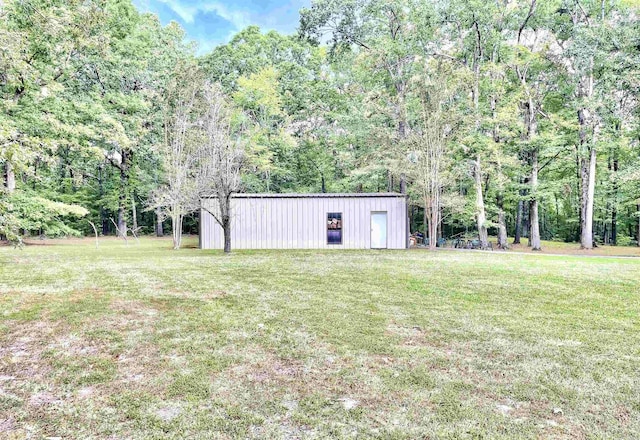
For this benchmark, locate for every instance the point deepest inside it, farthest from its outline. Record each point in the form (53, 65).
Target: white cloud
(184, 11)
(188, 12)
(239, 19)
(281, 16)
(240, 16)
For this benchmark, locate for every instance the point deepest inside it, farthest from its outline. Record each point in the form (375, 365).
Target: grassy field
(140, 341)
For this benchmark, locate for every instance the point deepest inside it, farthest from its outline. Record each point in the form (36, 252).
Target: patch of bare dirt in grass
(128, 314)
(292, 381)
(207, 296)
(465, 362)
(139, 364)
(416, 336)
(622, 415)
(139, 359)
(7, 425)
(15, 301)
(43, 398)
(26, 371)
(22, 348)
(33, 356)
(80, 295)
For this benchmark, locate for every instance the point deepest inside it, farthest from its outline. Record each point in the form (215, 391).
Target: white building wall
(300, 222)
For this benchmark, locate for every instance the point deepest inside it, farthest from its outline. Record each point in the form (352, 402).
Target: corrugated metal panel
(293, 222)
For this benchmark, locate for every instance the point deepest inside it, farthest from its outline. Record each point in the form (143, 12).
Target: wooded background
(496, 116)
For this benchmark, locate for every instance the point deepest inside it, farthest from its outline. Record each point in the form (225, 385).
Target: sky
(212, 22)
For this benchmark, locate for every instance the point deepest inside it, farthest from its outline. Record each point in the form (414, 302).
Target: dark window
(334, 228)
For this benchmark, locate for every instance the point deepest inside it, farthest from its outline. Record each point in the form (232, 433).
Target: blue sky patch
(212, 22)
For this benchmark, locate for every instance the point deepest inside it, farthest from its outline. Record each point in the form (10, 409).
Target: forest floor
(140, 341)
(562, 248)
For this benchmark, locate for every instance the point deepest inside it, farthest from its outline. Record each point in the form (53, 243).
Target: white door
(378, 230)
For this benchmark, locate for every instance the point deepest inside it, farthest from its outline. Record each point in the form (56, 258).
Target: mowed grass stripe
(140, 341)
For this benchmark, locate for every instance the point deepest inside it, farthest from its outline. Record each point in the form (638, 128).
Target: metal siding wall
(275, 217)
(319, 224)
(238, 210)
(263, 225)
(253, 213)
(366, 225)
(349, 223)
(269, 234)
(278, 226)
(302, 216)
(300, 243)
(399, 229)
(391, 221)
(293, 223)
(204, 234)
(236, 232)
(282, 224)
(285, 225)
(301, 223)
(315, 225)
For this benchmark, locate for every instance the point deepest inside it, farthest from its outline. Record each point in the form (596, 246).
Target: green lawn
(140, 341)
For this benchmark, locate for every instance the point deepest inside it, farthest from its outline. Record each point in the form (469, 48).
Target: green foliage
(27, 211)
(83, 88)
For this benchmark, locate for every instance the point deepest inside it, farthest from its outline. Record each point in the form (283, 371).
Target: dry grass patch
(143, 342)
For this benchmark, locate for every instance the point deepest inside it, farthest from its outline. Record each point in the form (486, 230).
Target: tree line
(500, 117)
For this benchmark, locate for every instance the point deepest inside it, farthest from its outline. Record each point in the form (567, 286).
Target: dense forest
(514, 118)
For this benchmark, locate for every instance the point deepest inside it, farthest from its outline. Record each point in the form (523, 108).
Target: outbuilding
(310, 221)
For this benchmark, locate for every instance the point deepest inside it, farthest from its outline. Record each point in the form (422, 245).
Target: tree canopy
(500, 117)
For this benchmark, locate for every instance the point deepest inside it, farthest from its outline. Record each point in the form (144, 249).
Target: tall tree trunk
(519, 219)
(588, 192)
(614, 225)
(587, 145)
(425, 219)
(614, 205)
(526, 220)
(529, 109)
(534, 238)
(481, 218)
(435, 222)
(104, 221)
(122, 221)
(224, 218)
(122, 199)
(529, 224)
(432, 214)
(134, 213)
(159, 227)
(226, 228)
(502, 226)
(176, 230)
(9, 177)
(402, 128)
(638, 226)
